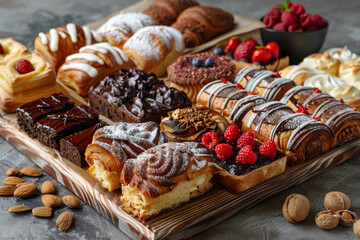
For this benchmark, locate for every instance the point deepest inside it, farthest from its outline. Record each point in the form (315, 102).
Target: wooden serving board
(185, 221)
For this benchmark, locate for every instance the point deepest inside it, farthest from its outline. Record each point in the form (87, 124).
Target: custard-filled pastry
(322, 61)
(165, 12)
(299, 73)
(201, 23)
(164, 177)
(343, 120)
(264, 83)
(9, 49)
(113, 145)
(63, 41)
(350, 72)
(153, 48)
(88, 67)
(344, 55)
(229, 99)
(189, 124)
(295, 134)
(118, 29)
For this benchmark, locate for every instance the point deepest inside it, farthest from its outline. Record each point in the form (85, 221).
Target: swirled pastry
(88, 67)
(63, 41)
(9, 48)
(153, 48)
(299, 73)
(350, 72)
(164, 177)
(201, 23)
(322, 61)
(113, 145)
(344, 55)
(118, 29)
(189, 124)
(165, 12)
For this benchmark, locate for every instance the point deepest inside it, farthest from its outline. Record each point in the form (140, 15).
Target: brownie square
(29, 114)
(56, 126)
(73, 146)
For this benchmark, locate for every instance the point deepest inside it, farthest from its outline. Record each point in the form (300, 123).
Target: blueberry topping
(218, 51)
(196, 62)
(209, 62)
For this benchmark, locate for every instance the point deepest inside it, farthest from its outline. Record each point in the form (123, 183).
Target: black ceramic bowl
(296, 45)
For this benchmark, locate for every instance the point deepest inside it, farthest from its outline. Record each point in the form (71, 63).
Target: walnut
(336, 201)
(347, 218)
(296, 208)
(327, 219)
(356, 228)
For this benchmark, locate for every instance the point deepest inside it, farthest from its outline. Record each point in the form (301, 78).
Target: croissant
(165, 12)
(9, 49)
(118, 29)
(88, 67)
(113, 145)
(63, 41)
(297, 135)
(164, 177)
(200, 24)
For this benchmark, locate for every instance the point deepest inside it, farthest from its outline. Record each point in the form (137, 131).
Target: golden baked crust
(275, 66)
(298, 73)
(88, 67)
(322, 61)
(12, 49)
(350, 72)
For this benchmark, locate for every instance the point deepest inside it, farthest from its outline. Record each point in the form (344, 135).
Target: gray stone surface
(23, 19)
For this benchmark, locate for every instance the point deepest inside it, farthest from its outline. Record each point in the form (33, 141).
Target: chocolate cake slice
(73, 146)
(29, 114)
(56, 126)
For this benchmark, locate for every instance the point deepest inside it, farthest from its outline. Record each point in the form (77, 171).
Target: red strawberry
(275, 14)
(298, 9)
(251, 42)
(24, 66)
(210, 140)
(302, 109)
(280, 27)
(246, 156)
(244, 51)
(232, 133)
(274, 49)
(294, 27)
(268, 149)
(305, 20)
(223, 151)
(289, 18)
(231, 44)
(1, 50)
(247, 139)
(317, 20)
(261, 55)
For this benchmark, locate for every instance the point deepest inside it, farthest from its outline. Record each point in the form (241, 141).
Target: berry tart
(191, 72)
(241, 161)
(249, 53)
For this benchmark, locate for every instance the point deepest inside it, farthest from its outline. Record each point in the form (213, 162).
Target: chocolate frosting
(159, 169)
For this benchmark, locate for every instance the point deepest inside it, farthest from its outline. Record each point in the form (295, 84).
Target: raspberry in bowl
(297, 32)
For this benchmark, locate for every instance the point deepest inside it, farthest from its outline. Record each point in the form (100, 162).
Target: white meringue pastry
(344, 55)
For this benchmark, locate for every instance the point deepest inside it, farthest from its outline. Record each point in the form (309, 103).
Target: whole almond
(64, 221)
(42, 212)
(50, 200)
(31, 171)
(19, 209)
(13, 180)
(25, 190)
(48, 187)
(22, 184)
(71, 201)
(7, 190)
(12, 172)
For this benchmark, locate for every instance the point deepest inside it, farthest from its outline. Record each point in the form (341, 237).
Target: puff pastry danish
(9, 49)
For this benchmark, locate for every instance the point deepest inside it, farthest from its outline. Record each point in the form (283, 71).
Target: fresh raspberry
(302, 109)
(316, 118)
(250, 93)
(299, 30)
(311, 28)
(223, 151)
(290, 4)
(305, 20)
(232, 133)
(317, 90)
(210, 140)
(354, 108)
(275, 14)
(246, 156)
(243, 51)
(223, 80)
(24, 66)
(289, 18)
(2, 49)
(269, 21)
(317, 20)
(247, 139)
(280, 27)
(278, 75)
(341, 100)
(268, 149)
(298, 9)
(238, 86)
(294, 27)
